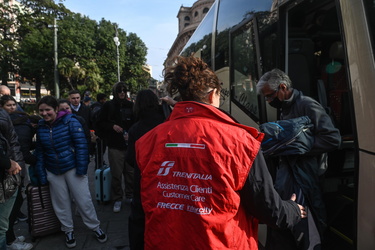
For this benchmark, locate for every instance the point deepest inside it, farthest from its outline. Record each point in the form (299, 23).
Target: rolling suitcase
(103, 179)
(42, 217)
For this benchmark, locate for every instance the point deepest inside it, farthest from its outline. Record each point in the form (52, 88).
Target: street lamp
(56, 72)
(117, 42)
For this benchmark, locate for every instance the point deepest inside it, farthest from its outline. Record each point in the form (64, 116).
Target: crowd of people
(188, 161)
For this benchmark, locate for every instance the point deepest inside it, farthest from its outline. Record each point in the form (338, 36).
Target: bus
(327, 48)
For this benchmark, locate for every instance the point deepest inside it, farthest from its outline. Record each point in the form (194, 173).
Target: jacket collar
(288, 103)
(63, 116)
(191, 109)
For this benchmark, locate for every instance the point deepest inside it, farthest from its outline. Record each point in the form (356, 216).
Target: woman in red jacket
(204, 183)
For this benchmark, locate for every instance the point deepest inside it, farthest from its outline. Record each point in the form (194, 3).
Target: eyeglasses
(121, 91)
(272, 96)
(222, 99)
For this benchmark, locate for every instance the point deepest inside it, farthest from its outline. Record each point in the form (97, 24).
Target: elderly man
(276, 87)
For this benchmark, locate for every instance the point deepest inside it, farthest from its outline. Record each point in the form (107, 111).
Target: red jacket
(192, 168)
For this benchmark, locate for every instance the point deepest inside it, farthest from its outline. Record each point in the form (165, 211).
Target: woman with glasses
(204, 183)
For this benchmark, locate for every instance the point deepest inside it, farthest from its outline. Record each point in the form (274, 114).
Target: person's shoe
(117, 206)
(100, 235)
(70, 240)
(20, 245)
(22, 217)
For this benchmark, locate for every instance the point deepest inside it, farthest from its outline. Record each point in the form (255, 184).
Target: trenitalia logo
(165, 171)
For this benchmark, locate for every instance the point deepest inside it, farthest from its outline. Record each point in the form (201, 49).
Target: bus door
(315, 59)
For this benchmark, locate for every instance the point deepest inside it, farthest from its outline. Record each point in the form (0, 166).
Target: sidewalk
(114, 224)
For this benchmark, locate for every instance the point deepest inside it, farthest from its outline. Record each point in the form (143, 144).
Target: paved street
(114, 224)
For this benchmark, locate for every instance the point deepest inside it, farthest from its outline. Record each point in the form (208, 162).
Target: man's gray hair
(273, 78)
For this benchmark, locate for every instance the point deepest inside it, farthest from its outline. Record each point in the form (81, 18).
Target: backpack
(287, 137)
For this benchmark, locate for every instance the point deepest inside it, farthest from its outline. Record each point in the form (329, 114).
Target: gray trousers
(120, 168)
(65, 187)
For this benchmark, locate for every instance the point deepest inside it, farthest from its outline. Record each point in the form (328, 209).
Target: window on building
(187, 18)
(205, 10)
(186, 24)
(196, 13)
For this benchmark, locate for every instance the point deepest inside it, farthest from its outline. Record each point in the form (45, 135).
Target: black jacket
(7, 130)
(25, 133)
(305, 168)
(85, 112)
(9, 135)
(146, 122)
(115, 112)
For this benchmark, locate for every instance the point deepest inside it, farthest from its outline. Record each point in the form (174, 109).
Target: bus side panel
(366, 190)
(362, 77)
(362, 74)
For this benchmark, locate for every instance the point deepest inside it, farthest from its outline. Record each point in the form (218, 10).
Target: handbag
(10, 184)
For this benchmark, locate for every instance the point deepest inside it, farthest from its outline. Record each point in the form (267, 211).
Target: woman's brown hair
(191, 78)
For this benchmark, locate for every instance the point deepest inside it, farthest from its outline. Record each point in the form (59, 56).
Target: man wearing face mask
(276, 87)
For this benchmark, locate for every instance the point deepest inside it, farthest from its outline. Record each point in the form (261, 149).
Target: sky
(154, 21)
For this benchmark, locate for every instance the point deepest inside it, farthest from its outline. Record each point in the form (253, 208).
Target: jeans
(10, 236)
(6, 209)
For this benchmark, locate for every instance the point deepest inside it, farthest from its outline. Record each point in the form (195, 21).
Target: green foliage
(135, 57)
(86, 49)
(9, 37)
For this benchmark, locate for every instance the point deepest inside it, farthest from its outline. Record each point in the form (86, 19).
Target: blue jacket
(61, 146)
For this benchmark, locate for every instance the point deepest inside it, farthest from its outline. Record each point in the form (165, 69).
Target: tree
(86, 50)
(106, 52)
(135, 59)
(36, 41)
(77, 46)
(9, 39)
(36, 58)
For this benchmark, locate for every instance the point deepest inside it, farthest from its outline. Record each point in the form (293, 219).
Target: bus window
(244, 70)
(200, 43)
(268, 40)
(231, 13)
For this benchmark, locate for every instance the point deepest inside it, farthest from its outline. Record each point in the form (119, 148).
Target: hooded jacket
(193, 168)
(115, 112)
(61, 146)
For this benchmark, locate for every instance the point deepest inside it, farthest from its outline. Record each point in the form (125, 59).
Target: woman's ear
(211, 97)
(215, 98)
